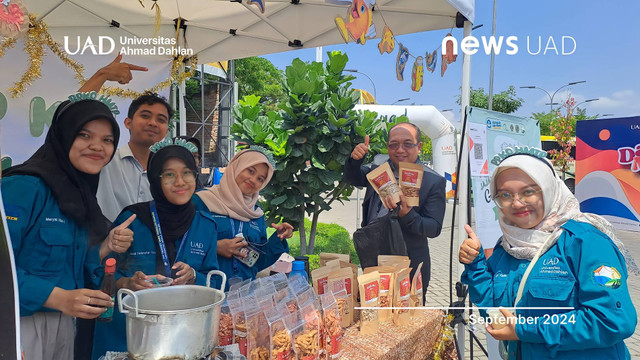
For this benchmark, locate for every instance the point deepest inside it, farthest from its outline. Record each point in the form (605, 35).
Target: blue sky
(607, 40)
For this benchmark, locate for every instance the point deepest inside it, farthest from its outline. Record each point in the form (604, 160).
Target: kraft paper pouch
(344, 276)
(417, 295)
(387, 283)
(325, 257)
(384, 182)
(410, 181)
(369, 292)
(402, 297)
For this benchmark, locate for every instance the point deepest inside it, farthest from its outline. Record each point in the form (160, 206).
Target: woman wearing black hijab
(172, 239)
(52, 213)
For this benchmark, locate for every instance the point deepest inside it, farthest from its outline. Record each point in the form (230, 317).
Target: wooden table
(415, 341)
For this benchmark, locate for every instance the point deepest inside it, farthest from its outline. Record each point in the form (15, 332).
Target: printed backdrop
(608, 170)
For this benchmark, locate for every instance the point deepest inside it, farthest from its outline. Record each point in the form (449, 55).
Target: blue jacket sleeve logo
(607, 276)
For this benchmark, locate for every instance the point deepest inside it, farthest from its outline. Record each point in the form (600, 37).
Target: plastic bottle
(297, 269)
(108, 287)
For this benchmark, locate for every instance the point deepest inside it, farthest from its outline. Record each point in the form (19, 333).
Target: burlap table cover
(391, 342)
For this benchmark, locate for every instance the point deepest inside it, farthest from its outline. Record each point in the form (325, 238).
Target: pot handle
(121, 294)
(222, 275)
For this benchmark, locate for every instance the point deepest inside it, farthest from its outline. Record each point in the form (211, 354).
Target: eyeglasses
(170, 177)
(405, 145)
(527, 196)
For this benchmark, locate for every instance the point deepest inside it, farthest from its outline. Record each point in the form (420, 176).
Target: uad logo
(101, 49)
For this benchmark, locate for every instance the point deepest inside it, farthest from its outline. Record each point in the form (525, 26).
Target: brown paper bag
(410, 175)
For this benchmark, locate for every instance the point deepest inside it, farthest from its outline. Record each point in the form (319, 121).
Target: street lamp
(372, 83)
(586, 101)
(400, 100)
(555, 92)
(603, 115)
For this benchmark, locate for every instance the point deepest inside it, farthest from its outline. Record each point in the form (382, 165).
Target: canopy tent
(218, 30)
(223, 30)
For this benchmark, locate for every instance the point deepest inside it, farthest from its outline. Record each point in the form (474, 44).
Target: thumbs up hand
(470, 248)
(361, 149)
(119, 239)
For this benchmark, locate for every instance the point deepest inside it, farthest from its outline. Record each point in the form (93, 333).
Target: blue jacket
(255, 232)
(199, 252)
(49, 247)
(583, 270)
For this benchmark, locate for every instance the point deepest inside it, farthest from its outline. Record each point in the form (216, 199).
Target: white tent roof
(210, 23)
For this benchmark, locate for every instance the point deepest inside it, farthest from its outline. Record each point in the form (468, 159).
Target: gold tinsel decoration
(38, 36)
(8, 43)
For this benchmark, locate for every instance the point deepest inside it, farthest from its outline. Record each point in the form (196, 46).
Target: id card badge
(251, 254)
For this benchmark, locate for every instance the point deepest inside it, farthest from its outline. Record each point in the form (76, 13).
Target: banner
(608, 170)
(24, 121)
(490, 132)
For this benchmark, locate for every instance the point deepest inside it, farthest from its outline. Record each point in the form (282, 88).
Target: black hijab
(74, 190)
(175, 220)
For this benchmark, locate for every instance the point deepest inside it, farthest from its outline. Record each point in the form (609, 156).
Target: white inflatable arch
(434, 125)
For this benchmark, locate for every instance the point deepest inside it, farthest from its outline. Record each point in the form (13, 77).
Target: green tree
(258, 76)
(545, 120)
(311, 135)
(504, 102)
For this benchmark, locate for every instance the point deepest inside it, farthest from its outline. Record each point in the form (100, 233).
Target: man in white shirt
(124, 180)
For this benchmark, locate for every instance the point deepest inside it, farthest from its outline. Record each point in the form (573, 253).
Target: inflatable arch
(434, 125)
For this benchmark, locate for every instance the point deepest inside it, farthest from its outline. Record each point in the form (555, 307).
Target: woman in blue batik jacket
(243, 246)
(171, 238)
(550, 256)
(52, 214)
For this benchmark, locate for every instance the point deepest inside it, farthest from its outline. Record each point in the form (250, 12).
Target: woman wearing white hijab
(243, 246)
(555, 257)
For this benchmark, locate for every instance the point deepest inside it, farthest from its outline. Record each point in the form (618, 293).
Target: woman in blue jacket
(52, 214)
(243, 246)
(171, 238)
(553, 256)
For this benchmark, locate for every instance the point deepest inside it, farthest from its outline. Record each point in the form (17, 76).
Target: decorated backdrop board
(491, 132)
(25, 119)
(608, 170)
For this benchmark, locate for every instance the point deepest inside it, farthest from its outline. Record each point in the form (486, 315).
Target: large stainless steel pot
(174, 322)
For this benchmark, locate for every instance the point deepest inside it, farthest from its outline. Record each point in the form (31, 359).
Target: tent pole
(462, 180)
(182, 108)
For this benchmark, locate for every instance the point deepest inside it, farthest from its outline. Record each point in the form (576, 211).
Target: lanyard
(163, 249)
(233, 227)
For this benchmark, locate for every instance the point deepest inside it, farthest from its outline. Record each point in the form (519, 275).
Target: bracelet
(194, 274)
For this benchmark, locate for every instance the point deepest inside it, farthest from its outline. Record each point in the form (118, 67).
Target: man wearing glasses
(417, 223)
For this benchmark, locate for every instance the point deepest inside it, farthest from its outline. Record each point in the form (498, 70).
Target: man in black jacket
(417, 223)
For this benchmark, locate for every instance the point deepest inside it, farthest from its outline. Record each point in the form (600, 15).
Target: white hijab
(560, 206)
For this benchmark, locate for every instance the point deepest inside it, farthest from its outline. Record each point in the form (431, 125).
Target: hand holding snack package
(332, 326)
(387, 282)
(384, 182)
(417, 295)
(402, 297)
(410, 180)
(369, 293)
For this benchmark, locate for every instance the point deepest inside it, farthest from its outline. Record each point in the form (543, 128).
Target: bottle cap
(298, 265)
(110, 265)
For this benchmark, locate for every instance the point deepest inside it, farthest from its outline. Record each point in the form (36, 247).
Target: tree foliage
(504, 102)
(258, 76)
(310, 135)
(547, 118)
